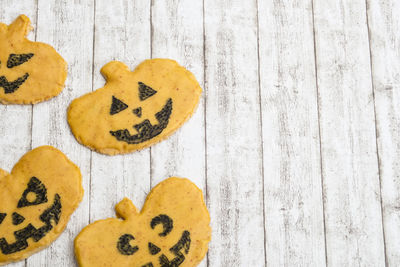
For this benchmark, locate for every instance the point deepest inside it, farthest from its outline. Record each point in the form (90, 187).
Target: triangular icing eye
(35, 187)
(117, 106)
(18, 59)
(145, 91)
(2, 216)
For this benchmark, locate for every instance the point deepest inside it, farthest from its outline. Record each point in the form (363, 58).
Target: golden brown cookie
(171, 230)
(134, 109)
(30, 72)
(37, 199)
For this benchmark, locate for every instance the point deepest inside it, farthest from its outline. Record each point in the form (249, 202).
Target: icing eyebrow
(18, 59)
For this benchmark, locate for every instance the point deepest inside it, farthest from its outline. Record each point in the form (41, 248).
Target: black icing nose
(153, 249)
(137, 111)
(17, 219)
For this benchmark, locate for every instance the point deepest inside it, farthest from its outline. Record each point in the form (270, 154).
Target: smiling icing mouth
(145, 129)
(11, 87)
(53, 213)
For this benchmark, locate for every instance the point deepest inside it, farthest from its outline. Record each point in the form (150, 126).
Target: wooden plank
(353, 218)
(178, 34)
(233, 134)
(294, 220)
(15, 120)
(68, 27)
(122, 32)
(384, 31)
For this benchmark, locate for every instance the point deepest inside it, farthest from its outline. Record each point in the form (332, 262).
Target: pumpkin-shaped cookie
(37, 199)
(134, 109)
(30, 72)
(171, 230)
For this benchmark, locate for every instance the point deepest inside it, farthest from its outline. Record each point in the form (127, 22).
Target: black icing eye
(2, 216)
(124, 247)
(17, 59)
(34, 194)
(117, 106)
(145, 91)
(166, 222)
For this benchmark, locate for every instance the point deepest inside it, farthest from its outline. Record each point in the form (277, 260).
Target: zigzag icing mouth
(53, 213)
(145, 129)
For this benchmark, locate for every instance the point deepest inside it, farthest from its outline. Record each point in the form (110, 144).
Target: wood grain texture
(351, 187)
(177, 33)
(294, 220)
(59, 24)
(122, 32)
(233, 127)
(16, 120)
(384, 32)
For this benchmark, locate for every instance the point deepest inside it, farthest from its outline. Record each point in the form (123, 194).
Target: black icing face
(180, 249)
(14, 60)
(35, 194)
(145, 129)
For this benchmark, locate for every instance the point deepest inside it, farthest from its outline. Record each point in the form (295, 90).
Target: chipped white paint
(283, 142)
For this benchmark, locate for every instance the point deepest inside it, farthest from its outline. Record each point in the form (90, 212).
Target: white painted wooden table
(296, 141)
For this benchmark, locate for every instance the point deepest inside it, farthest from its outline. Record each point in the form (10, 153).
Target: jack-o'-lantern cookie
(30, 72)
(171, 230)
(134, 109)
(37, 199)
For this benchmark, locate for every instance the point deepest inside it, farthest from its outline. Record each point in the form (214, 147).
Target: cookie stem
(114, 70)
(126, 209)
(20, 26)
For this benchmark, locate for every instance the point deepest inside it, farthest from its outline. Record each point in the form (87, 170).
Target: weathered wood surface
(351, 188)
(233, 134)
(294, 221)
(384, 33)
(295, 142)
